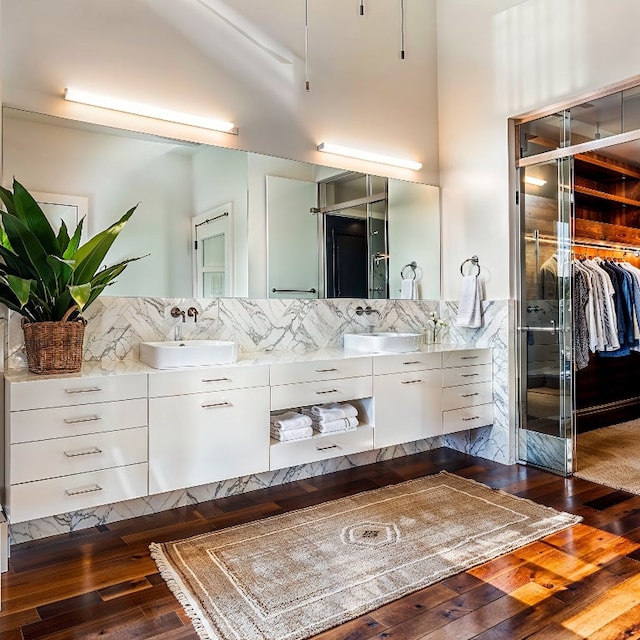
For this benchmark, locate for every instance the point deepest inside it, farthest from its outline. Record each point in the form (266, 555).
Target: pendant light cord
(402, 29)
(306, 45)
(361, 7)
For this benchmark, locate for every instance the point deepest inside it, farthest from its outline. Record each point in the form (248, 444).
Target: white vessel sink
(188, 353)
(382, 342)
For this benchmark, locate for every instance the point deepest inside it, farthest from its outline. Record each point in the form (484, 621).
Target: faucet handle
(192, 312)
(176, 312)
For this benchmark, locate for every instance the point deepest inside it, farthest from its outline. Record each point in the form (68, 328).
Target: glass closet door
(545, 434)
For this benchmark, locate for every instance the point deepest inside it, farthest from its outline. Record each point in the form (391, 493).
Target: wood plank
(609, 164)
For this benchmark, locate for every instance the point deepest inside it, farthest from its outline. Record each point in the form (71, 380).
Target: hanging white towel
(409, 290)
(470, 305)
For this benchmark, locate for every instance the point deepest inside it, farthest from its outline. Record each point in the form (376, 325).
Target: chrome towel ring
(475, 261)
(411, 265)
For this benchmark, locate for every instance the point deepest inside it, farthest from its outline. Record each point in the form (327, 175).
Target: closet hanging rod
(582, 243)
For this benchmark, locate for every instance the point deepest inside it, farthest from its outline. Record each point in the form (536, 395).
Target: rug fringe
(178, 589)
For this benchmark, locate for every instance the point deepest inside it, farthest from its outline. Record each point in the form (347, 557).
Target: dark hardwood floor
(580, 583)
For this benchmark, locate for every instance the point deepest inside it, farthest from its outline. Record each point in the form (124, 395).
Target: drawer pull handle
(82, 452)
(470, 395)
(80, 490)
(412, 362)
(215, 380)
(331, 446)
(214, 405)
(410, 381)
(78, 420)
(85, 390)
(472, 418)
(326, 370)
(469, 357)
(328, 391)
(468, 375)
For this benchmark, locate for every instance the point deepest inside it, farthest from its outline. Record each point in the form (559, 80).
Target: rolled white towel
(342, 424)
(290, 420)
(291, 434)
(329, 412)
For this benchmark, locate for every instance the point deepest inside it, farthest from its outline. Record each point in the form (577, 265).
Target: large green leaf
(90, 255)
(21, 288)
(81, 294)
(11, 263)
(63, 271)
(29, 211)
(63, 238)
(7, 199)
(74, 241)
(27, 247)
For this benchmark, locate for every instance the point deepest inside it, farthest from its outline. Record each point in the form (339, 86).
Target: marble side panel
(83, 519)
(543, 450)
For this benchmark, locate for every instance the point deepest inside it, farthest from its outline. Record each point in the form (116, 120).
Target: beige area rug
(293, 575)
(611, 456)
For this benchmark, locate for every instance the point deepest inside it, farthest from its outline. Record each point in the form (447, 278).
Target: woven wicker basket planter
(54, 347)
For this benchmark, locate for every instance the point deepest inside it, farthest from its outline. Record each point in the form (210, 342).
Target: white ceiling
(240, 60)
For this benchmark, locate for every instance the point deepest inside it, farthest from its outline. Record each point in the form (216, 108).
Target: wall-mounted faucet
(192, 312)
(367, 310)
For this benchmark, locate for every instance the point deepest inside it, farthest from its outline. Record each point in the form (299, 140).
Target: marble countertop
(132, 366)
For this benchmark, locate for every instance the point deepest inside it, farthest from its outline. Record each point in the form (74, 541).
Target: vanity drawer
(320, 447)
(60, 422)
(318, 370)
(77, 454)
(467, 375)
(65, 392)
(466, 357)
(467, 395)
(311, 393)
(467, 418)
(397, 363)
(81, 491)
(201, 380)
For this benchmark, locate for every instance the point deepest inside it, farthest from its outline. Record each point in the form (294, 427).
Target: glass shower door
(545, 433)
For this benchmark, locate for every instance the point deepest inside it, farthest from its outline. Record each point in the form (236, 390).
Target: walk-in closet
(579, 317)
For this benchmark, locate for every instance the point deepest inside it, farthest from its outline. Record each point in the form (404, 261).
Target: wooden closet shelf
(607, 163)
(591, 230)
(603, 195)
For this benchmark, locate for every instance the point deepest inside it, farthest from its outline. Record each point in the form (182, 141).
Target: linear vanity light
(329, 147)
(136, 108)
(538, 182)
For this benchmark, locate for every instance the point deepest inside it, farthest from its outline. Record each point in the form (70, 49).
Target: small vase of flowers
(437, 327)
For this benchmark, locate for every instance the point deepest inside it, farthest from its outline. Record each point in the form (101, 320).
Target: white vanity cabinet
(299, 384)
(207, 425)
(407, 389)
(467, 388)
(75, 443)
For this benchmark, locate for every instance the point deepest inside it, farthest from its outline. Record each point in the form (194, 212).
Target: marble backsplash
(117, 325)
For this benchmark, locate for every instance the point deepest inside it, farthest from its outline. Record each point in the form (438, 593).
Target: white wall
(501, 58)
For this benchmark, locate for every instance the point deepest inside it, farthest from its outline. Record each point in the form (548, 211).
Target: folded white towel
(291, 434)
(470, 305)
(331, 411)
(408, 289)
(290, 420)
(342, 424)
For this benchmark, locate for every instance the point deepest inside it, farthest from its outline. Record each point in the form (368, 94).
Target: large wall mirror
(222, 222)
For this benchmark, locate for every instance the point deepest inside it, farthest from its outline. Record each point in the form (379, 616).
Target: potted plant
(50, 278)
